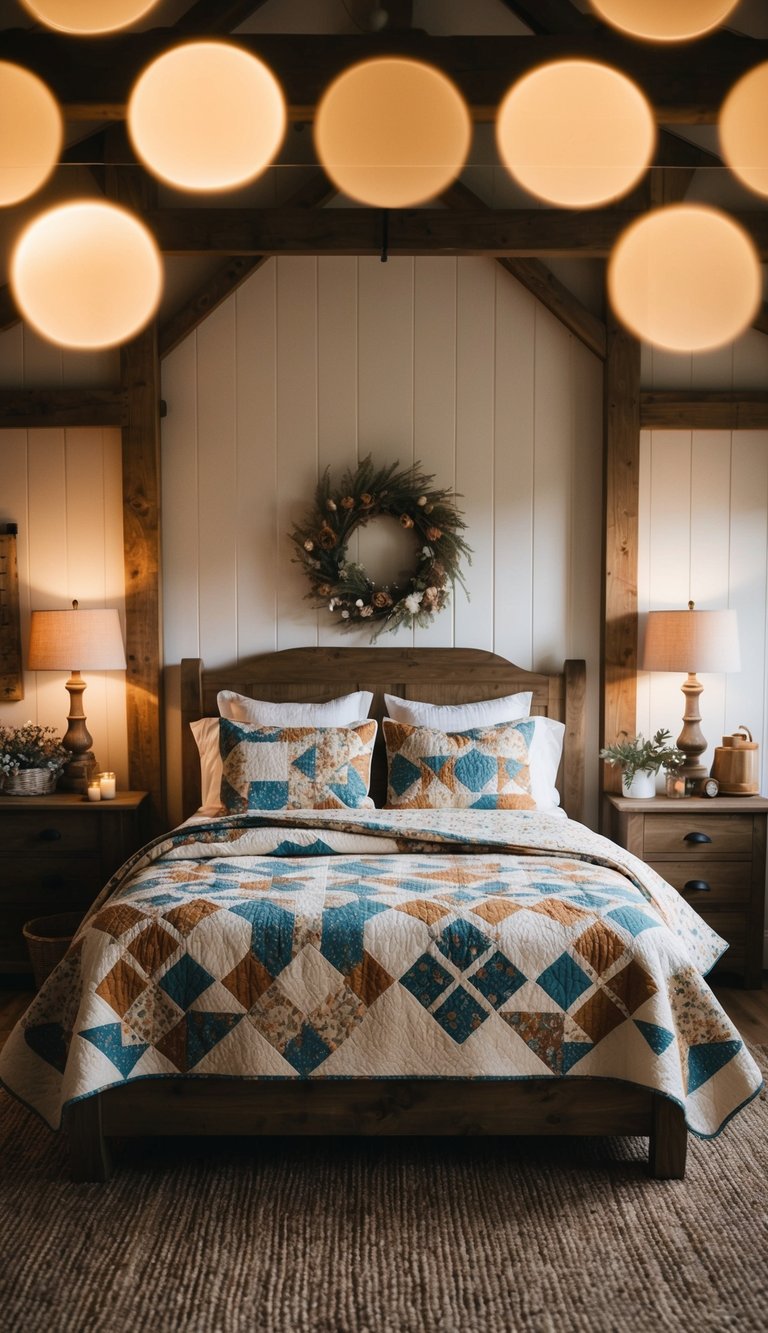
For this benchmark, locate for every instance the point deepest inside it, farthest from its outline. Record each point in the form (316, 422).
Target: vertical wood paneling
(670, 572)
(434, 399)
(514, 407)
(475, 367)
(337, 387)
(745, 694)
(552, 483)
(14, 509)
(181, 488)
(584, 557)
(256, 422)
(217, 474)
(296, 438)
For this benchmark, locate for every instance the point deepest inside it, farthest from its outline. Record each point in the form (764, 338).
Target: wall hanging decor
(364, 493)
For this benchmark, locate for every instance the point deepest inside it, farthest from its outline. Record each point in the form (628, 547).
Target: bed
(412, 971)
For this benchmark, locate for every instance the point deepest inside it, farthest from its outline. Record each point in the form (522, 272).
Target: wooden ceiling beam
(93, 79)
(704, 409)
(510, 233)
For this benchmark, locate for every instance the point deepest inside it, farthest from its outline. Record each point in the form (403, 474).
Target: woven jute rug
(312, 1236)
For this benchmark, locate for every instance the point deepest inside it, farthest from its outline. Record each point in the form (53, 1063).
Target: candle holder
(93, 791)
(107, 786)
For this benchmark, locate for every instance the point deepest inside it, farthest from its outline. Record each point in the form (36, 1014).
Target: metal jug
(737, 764)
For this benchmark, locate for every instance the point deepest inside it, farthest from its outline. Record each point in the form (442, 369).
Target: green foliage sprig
(637, 755)
(321, 540)
(31, 746)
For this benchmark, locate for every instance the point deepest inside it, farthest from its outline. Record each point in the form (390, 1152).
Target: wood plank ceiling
(92, 79)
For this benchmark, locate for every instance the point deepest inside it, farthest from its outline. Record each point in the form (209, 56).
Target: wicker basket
(48, 938)
(31, 782)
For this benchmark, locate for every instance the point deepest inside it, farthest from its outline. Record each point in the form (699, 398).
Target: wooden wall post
(618, 686)
(140, 374)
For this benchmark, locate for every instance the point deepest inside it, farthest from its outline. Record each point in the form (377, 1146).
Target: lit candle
(107, 786)
(94, 791)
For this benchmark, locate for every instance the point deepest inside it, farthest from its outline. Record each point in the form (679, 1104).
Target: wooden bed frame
(218, 1106)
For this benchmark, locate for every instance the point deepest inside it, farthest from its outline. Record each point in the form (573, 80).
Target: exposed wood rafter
(62, 407)
(219, 16)
(544, 17)
(541, 282)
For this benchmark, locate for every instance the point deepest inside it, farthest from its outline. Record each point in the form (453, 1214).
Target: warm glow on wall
(31, 132)
(686, 278)
(575, 133)
(392, 133)
(88, 16)
(86, 275)
(206, 116)
(664, 20)
(743, 127)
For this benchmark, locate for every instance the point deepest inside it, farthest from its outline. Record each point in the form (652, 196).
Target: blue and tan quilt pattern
(455, 944)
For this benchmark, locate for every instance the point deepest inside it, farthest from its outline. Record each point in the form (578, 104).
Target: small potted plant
(640, 761)
(31, 759)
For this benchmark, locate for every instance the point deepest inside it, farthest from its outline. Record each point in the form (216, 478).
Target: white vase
(642, 786)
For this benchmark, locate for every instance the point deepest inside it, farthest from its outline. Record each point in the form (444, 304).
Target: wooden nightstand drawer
(675, 836)
(45, 875)
(729, 881)
(43, 830)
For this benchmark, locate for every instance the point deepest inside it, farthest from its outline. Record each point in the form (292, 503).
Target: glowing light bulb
(85, 17)
(31, 133)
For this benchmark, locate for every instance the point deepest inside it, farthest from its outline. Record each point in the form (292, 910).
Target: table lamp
(93, 640)
(691, 641)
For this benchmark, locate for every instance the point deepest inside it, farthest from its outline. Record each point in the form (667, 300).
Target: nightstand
(56, 853)
(713, 852)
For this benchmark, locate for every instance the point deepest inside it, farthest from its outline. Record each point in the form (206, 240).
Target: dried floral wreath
(366, 492)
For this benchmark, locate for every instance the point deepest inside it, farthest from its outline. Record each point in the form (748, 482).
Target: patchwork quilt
(380, 943)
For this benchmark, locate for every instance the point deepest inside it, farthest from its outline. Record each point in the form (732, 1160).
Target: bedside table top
(669, 805)
(71, 800)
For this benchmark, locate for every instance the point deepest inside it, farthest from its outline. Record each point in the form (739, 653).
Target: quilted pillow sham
(508, 766)
(295, 768)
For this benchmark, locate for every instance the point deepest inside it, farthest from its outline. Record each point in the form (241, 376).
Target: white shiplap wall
(64, 490)
(316, 362)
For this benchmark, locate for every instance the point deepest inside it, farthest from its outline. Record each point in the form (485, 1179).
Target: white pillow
(341, 712)
(545, 751)
(459, 717)
(206, 733)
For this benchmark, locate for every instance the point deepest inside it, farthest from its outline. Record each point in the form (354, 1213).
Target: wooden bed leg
(89, 1154)
(669, 1141)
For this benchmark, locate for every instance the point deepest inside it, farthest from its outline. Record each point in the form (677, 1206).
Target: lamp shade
(691, 641)
(76, 640)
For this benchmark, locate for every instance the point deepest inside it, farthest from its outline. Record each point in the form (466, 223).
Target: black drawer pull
(697, 886)
(49, 834)
(697, 837)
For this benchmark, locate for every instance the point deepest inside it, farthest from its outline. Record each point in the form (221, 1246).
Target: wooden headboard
(436, 675)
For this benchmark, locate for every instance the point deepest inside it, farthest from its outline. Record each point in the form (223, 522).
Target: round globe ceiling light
(575, 133)
(742, 128)
(86, 274)
(206, 116)
(392, 132)
(686, 278)
(664, 20)
(88, 17)
(31, 133)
